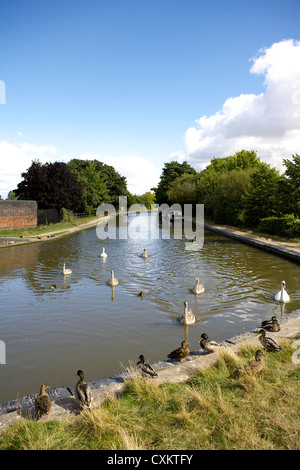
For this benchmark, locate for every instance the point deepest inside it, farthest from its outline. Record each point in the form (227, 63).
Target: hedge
(287, 226)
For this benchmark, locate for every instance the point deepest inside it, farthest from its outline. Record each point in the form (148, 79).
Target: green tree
(100, 174)
(169, 173)
(12, 196)
(51, 185)
(94, 190)
(290, 186)
(262, 200)
(225, 204)
(183, 189)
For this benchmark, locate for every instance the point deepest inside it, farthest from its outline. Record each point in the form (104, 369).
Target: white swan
(144, 254)
(66, 271)
(188, 318)
(103, 254)
(198, 288)
(112, 281)
(282, 295)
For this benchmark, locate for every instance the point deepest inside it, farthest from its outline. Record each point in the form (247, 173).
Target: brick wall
(18, 214)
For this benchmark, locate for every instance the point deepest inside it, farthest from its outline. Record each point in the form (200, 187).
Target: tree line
(77, 186)
(238, 190)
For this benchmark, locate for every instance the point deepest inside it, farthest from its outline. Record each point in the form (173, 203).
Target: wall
(18, 214)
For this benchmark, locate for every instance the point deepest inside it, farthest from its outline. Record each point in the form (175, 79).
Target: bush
(287, 226)
(66, 215)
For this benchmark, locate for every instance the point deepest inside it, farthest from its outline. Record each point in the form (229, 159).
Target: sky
(138, 83)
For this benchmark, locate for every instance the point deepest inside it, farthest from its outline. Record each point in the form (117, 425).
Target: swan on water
(112, 281)
(144, 254)
(66, 271)
(198, 288)
(282, 295)
(103, 254)
(188, 318)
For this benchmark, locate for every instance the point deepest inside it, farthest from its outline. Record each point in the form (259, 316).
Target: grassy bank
(41, 229)
(218, 408)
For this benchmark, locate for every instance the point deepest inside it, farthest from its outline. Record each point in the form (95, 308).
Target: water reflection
(85, 324)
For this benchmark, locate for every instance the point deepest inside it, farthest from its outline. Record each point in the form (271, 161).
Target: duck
(187, 318)
(268, 322)
(83, 391)
(268, 343)
(103, 254)
(255, 365)
(66, 271)
(53, 287)
(42, 402)
(282, 295)
(145, 368)
(208, 345)
(144, 254)
(198, 288)
(112, 281)
(180, 353)
(272, 325)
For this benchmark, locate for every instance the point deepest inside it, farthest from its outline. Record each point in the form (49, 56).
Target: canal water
(85, 324)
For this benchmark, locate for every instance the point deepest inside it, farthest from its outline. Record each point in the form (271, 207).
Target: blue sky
(126, 81)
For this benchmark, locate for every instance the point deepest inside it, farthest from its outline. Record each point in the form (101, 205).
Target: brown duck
(180, 353)
(42, 402)
(83, 391)
(255, 365)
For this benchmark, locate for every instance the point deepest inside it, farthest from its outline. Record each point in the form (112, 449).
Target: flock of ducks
(83, 391)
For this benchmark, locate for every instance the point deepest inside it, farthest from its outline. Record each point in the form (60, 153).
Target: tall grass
(218, 408)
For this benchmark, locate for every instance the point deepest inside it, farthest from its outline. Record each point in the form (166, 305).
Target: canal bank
(63, 400)
(287, 249)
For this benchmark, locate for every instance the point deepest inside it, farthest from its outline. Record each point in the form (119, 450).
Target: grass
(35, 232)
(218, 408)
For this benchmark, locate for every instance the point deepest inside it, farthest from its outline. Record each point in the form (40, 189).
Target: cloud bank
(17, 158)
(141, 173)
(268, 122)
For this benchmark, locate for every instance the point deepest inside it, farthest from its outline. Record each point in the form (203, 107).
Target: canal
(85, 324)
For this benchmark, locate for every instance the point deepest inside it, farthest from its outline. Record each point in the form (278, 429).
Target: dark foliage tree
(52, 185)
(170, 172)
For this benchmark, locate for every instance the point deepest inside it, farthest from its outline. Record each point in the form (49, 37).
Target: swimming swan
(188, 318)
(144, 254)
(103, 254)
(66, 271)
(198, 288)
(282, 295)
(112, 281)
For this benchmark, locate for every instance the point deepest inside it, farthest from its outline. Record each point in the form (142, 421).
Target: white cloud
(141, 173)
(268, 122)
(15, 159)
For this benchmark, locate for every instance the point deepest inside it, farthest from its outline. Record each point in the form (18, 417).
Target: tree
(225, 203)
(94, 190)
(291, 186)
(183, 190)
(147, 199)
(169, 173)
(104, 183)
(12, 196)
(261, 200)
(51, 185)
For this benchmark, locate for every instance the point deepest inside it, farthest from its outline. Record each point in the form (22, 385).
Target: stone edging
(275, 249)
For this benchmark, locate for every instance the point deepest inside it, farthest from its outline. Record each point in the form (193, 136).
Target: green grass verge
(32, 232)
(218, 408)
